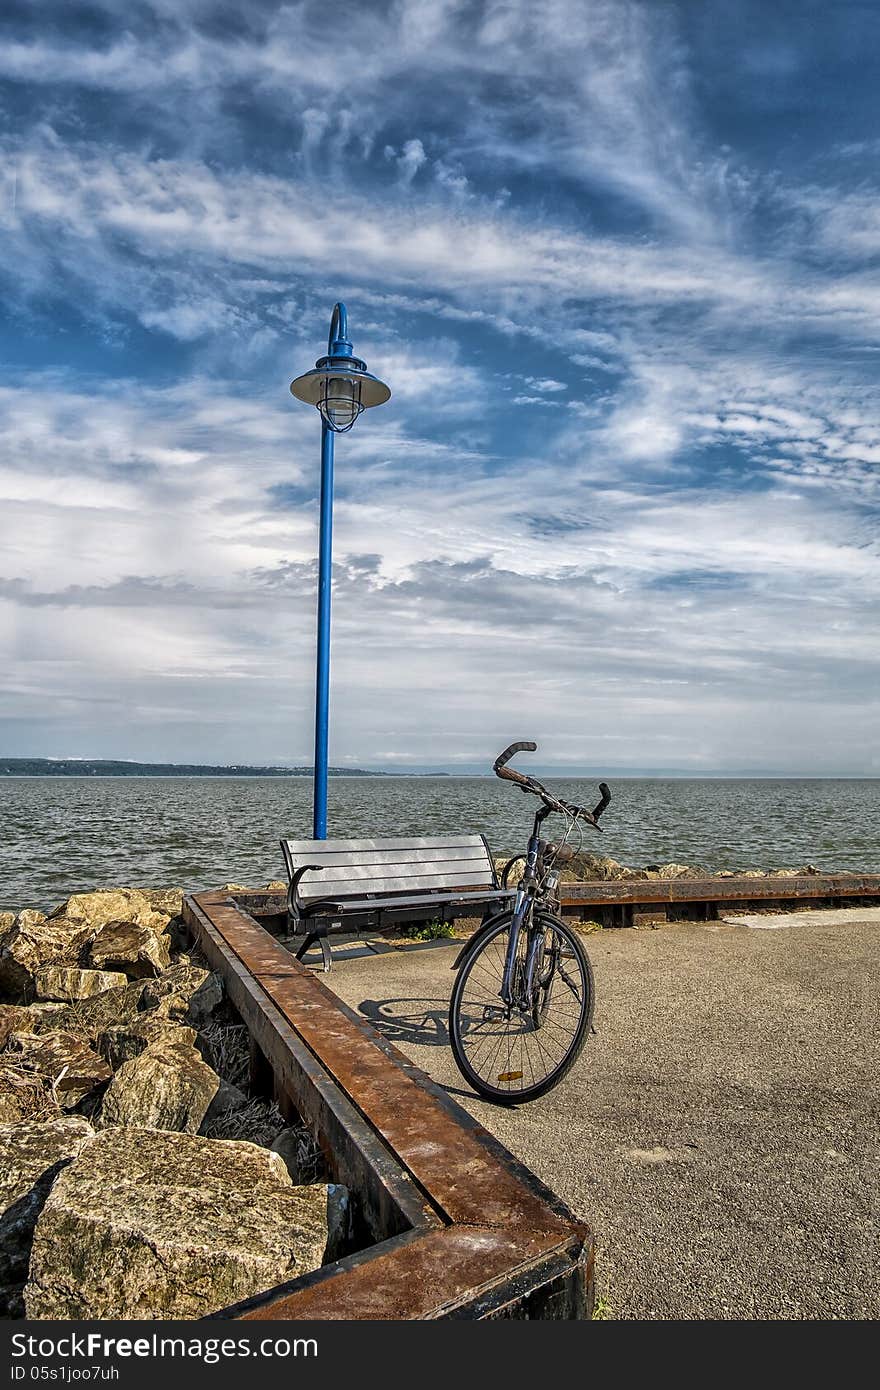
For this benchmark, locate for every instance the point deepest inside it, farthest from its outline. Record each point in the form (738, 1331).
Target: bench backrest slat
(392, 858)
(354, 868)
(410, 843)
(361, 887)
(449, 868)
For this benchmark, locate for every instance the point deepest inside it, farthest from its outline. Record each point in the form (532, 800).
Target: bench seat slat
(402, 901)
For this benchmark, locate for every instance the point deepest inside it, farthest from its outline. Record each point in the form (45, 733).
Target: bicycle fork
(521, 911)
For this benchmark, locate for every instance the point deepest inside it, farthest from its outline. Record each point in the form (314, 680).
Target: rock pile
(588, 868)
(136, 1174)
(121, 931)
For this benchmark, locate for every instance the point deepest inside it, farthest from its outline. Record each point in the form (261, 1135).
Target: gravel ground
(719, 1132)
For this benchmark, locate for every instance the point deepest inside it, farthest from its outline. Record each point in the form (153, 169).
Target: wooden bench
(352, 885)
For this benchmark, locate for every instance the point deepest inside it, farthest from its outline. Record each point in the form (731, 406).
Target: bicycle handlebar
(529, 784)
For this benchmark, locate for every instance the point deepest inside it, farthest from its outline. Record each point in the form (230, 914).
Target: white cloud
(544, 384)
(451, 178)
(410, 160)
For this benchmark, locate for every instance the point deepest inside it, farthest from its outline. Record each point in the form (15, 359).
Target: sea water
(70, 834)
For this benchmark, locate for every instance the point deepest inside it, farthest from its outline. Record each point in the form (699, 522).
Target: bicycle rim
(518, 1054)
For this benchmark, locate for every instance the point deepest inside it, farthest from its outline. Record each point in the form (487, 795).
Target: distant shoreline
(61, 769)
(203, 776)
(115, 767)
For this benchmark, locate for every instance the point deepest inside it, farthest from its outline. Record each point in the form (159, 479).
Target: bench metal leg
(317, 939)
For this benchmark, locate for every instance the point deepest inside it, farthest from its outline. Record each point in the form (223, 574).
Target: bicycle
(522, 1002)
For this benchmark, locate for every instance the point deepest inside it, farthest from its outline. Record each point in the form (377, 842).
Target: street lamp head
(341, 388)
(340, 385)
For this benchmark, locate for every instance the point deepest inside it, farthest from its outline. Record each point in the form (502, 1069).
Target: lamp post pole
(342, 388)
(322, 674)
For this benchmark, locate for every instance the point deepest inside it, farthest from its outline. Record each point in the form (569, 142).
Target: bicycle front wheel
(518, 1052)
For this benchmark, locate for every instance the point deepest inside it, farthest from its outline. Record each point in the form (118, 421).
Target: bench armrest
(294, 906)
(505, 872)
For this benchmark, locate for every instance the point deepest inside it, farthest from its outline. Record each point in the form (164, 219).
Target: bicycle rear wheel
(517, 1053)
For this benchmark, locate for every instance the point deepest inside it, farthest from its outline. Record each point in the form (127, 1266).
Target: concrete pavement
(720, 1131)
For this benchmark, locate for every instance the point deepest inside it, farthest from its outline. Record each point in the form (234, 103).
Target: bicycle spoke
(566, 977)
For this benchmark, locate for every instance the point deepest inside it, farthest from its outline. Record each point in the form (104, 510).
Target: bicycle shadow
(419, 1021)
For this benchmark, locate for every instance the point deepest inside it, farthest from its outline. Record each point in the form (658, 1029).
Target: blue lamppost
(341, 387)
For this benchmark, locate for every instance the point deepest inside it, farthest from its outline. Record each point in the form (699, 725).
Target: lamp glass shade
(340, 403)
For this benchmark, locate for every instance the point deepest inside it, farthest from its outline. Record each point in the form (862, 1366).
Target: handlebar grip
(509, 752)
(510, 774)
(606, 797)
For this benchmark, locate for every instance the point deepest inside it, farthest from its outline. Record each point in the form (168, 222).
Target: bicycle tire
(506, 1093)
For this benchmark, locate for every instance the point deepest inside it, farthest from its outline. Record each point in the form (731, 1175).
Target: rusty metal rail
(621, 902)
(460, 1228)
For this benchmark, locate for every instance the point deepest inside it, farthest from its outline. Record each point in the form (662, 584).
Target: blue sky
(617, 262)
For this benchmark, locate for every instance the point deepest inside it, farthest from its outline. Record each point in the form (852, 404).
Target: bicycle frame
(526, 893)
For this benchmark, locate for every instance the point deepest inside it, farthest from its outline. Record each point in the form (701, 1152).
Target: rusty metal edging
(714, 891)
(472, 1232)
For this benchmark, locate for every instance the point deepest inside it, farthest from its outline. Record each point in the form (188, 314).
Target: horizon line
(299, 770)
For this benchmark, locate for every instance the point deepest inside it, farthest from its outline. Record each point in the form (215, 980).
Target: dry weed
(228, 1051)
(259, 1122)
(30, 1096)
